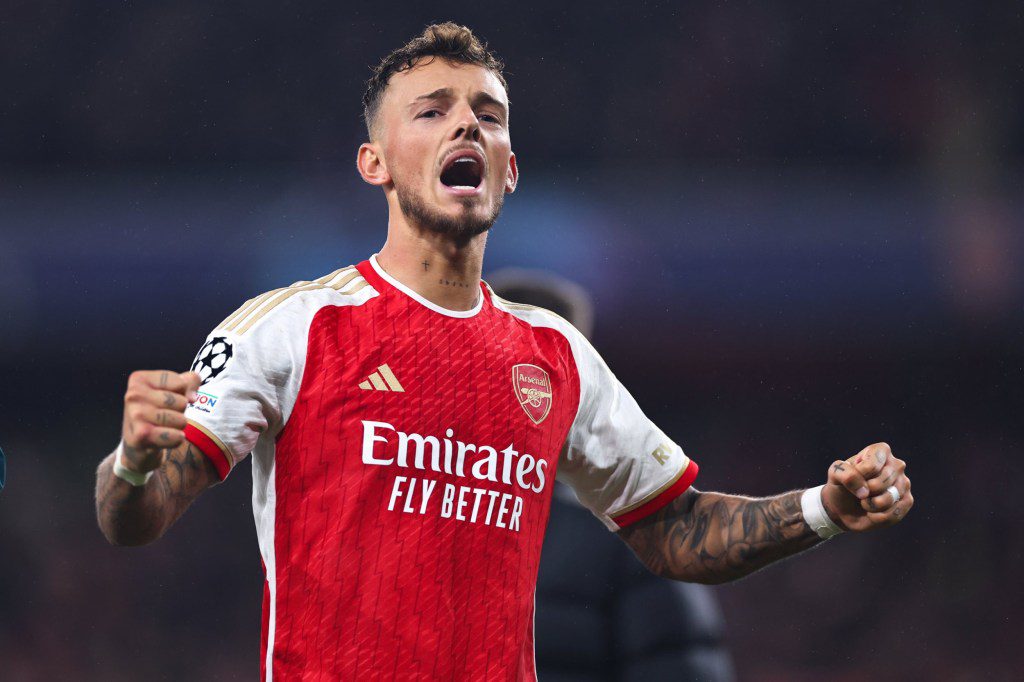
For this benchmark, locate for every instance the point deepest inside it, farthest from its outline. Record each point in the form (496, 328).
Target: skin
(413, 136)
(713, 538)
(153, 437)
(428, 112)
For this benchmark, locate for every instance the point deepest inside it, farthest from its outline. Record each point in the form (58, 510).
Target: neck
(441, 269)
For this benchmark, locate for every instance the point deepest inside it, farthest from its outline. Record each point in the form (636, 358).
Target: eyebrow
(448, 93)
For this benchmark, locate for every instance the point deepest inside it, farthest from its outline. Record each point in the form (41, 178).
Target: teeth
(472, 175)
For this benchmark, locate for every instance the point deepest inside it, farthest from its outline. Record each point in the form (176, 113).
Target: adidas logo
(382, 380)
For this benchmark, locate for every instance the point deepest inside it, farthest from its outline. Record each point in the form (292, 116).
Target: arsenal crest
(532, 387)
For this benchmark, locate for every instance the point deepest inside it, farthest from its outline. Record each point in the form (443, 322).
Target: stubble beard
(469, 224)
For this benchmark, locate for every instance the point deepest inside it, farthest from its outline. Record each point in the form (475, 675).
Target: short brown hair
(447, 40)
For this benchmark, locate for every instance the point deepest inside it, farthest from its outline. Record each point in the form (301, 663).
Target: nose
(467, 125)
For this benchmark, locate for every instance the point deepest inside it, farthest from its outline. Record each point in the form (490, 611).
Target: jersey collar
(422, 301)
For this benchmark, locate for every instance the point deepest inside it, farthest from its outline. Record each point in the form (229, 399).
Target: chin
(468, 217)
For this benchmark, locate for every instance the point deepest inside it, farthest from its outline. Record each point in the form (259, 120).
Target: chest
(489, 381)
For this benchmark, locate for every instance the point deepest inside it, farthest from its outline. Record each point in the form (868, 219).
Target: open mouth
(463, 171)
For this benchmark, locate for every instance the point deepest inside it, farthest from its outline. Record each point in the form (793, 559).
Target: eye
(490, 118)
(429, 113)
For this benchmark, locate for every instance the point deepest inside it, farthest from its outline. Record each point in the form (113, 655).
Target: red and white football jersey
(403, 457)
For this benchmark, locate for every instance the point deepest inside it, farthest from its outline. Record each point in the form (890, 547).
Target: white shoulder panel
(614, 458)
(252, 362)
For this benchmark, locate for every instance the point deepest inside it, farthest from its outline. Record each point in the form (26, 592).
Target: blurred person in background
(401, 481)
(595, 601)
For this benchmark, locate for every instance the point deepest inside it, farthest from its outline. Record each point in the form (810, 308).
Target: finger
(893, 514)
(166, 418)
(871, 460)
(888, 476)
(160, 437)
(846, 475)
(884, 500)
(160, 379)
(163, 399)
(141, 418)
(885, 478)
(148, 437)
(192, 382)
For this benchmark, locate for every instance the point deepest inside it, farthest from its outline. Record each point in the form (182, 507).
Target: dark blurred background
(801, 224)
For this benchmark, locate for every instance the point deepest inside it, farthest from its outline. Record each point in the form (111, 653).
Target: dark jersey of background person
(600, 615)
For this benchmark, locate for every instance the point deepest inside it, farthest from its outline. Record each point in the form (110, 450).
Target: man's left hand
(859, 493)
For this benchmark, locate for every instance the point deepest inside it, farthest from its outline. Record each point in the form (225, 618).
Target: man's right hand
(153, 431)
(154, 416)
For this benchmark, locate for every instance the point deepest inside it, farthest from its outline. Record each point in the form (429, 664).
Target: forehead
(467, 80)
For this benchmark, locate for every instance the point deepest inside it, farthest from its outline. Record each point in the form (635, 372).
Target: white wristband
(815, 514)
(125, 474)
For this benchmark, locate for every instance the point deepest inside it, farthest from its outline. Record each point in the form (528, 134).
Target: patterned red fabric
(375, 580)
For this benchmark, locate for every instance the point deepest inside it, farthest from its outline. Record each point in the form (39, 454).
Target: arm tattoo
(714, 538)
(130, 515)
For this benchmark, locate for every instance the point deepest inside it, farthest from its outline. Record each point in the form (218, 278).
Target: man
(405, 424)
(595, 601)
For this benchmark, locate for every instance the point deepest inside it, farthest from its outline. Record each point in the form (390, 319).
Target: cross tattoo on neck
(426, 265)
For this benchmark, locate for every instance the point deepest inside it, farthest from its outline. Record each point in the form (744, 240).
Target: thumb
(192, 381)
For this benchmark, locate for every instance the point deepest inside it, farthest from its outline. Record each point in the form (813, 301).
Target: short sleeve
(621, 466)
(251, 375)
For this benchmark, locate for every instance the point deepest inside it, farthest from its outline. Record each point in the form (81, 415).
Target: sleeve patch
(212, 359)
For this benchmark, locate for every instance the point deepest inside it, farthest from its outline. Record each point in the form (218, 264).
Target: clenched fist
(154, 416)
(860, 496)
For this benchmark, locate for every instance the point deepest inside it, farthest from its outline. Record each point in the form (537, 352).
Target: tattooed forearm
(130, 515)
(714, 538)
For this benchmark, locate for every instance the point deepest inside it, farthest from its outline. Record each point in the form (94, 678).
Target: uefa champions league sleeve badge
(212, 358)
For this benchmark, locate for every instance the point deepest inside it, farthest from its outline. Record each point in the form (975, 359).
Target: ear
(371, 164)
(512, 175)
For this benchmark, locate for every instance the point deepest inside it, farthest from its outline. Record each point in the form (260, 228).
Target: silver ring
(894, 491)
